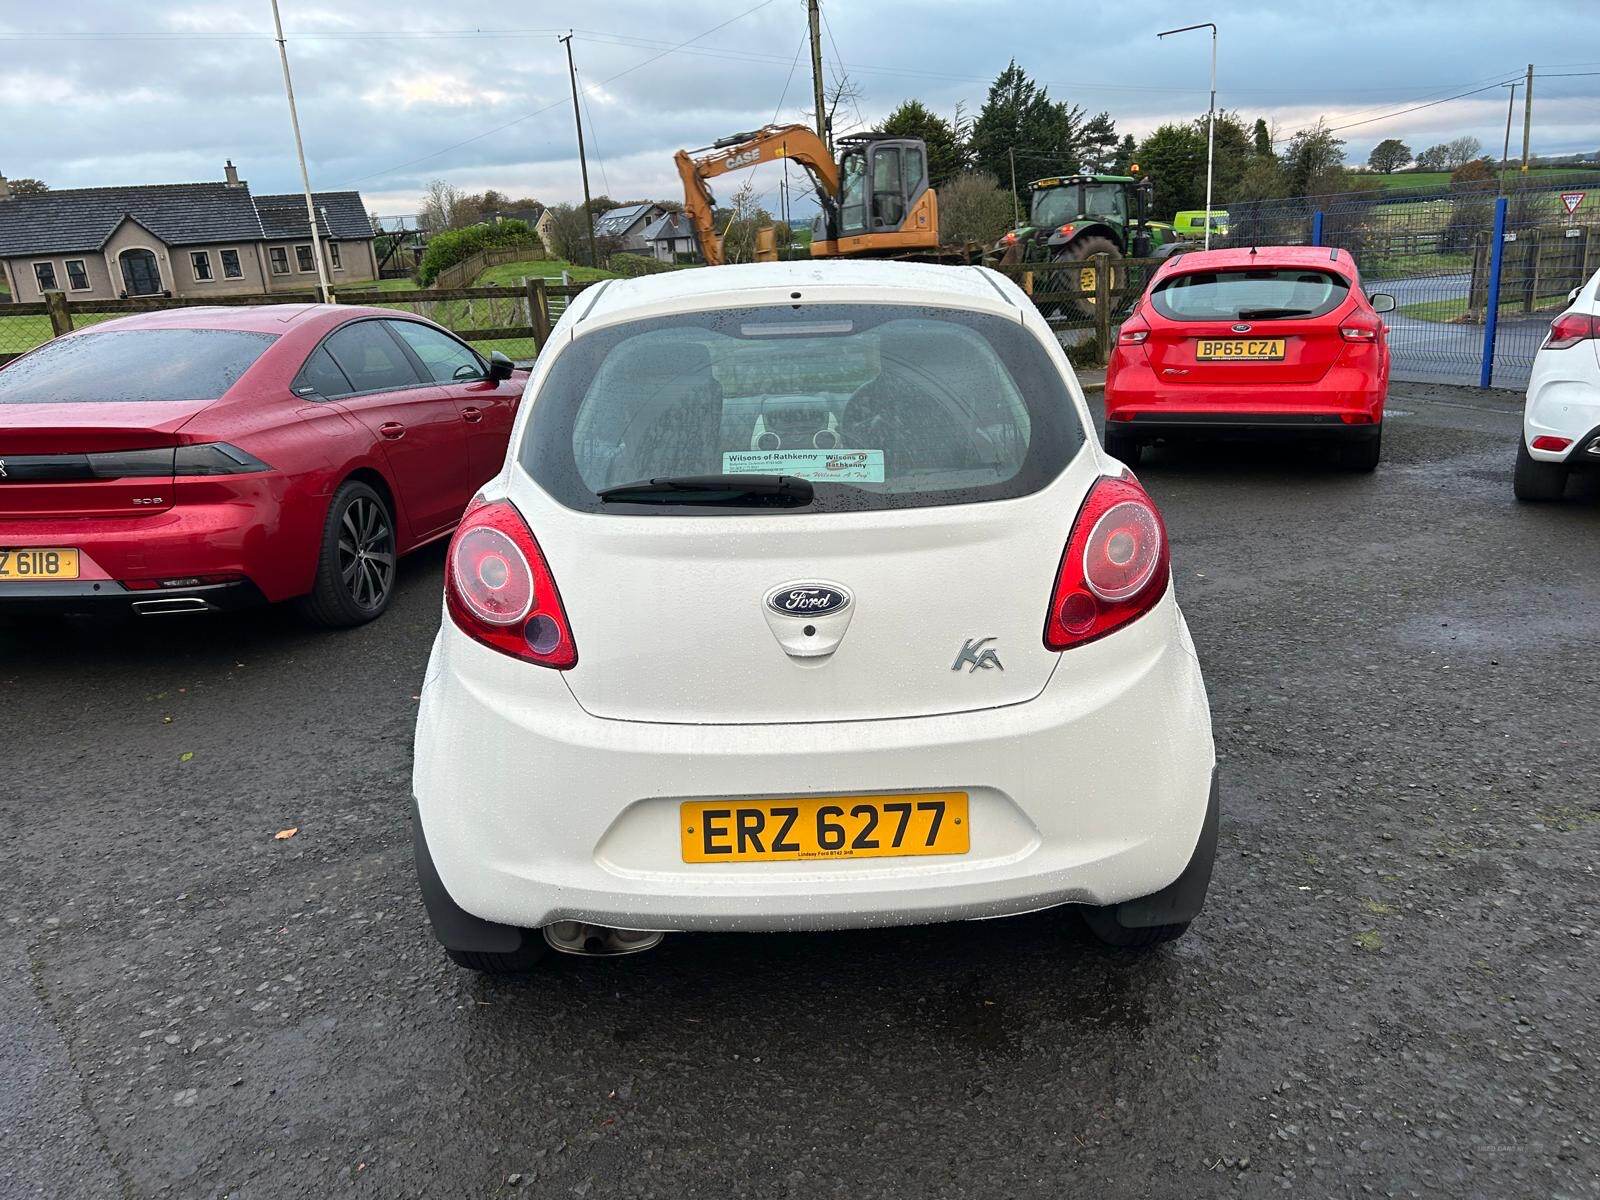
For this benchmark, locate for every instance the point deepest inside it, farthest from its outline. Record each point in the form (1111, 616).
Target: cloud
(381, 88)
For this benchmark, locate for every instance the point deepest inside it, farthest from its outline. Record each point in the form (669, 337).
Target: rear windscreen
(879, 406)
(121, 365)
(1249, 295)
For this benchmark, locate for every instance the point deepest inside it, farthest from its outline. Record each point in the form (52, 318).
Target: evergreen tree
(914, 119)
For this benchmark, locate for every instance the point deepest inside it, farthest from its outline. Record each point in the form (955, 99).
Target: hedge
(447, 248)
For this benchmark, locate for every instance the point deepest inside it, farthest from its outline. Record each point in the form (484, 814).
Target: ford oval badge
(807, 599)
(1241, 329)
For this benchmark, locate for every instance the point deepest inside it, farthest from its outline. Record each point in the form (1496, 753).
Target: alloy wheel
(366, 552)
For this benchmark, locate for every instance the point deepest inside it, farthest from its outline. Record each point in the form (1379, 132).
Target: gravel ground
(1391, 992)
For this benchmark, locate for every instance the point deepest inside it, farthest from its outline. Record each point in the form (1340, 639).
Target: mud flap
(1182, 899)
(454, 926)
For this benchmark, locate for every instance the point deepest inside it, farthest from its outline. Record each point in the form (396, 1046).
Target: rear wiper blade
(1263, 314)
(746, 491)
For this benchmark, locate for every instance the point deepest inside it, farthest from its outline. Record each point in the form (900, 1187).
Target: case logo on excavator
(744, 156)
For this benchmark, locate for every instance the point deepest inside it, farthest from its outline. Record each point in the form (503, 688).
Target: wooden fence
(515, 320)
(468, 269)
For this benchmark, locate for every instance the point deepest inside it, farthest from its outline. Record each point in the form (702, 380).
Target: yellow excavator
(876, 202)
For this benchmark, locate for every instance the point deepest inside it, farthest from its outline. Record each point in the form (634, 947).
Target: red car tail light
(1116, 566)
(1549, 442)
(1066, 230)
(1360, 329)
(1134, 332)
(499, 589)
(1570, 328)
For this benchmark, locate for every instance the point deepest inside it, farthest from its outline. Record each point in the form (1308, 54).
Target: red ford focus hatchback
(210, 458)
(1273, 340)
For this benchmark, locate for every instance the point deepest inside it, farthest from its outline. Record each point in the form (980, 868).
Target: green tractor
(1075, 217)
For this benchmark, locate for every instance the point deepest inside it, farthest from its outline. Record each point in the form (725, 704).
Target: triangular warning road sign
(1572, 200)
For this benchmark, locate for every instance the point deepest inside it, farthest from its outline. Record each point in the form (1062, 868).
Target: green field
(1435, 179)
(1452, 311)
(511, 274)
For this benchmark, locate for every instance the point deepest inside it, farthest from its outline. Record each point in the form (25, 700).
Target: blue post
(1316, 228)
(1497, 252)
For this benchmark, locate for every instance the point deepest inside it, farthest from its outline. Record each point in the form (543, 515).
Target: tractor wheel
(1083, 277)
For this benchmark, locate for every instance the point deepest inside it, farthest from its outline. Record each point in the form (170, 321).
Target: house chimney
(232, 173)
(5, 188)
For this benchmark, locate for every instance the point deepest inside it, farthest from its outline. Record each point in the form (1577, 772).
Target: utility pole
(1211, 114)
(814, 16)
(1527, 117)
(1505, 152)
(300, 150)
(1016, 213)
(583, 162)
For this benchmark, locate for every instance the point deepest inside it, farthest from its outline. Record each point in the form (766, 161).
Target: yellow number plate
(1086, 279)
(39, 562)
(1240, 349)
(835, 827)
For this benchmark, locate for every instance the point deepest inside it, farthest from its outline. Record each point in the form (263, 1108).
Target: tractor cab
(1115, 208)
(884, 202)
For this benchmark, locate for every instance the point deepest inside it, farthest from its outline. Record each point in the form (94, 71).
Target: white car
(1561, 422)
(806, 599)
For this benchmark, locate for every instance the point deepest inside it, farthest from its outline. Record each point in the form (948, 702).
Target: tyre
(1102, 922)
(1122, 446)
(1362, 455)
(1535, 480)
(356, 566)
(520, 961)
(1077, 251)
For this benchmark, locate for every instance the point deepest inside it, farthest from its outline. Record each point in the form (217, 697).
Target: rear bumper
(1564, 402)
(108, 597)
(533, 811)
(1171, 423)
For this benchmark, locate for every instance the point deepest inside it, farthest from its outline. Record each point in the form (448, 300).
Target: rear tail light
(1547, 441)
(207, 458)
(1134, 332)
(1066, 230)
(499, 590)
(1570, 328)
(1358, 330)
(1116, 566)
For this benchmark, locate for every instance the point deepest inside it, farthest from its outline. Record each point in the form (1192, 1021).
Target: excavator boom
(769, 144)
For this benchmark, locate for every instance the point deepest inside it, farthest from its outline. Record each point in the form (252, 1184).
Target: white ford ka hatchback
(806, 599)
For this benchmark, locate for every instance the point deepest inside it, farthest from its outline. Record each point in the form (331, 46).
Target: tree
(914, 119)
(29, 187)
(1460, 151)
(1097, 142)
(1019, 116)
(1127, 154)
(439, 203)
(1434, 158)
(1233, 153)
(1313, 162)
(1261, 139)
(1389, 155)
(739, 238)
(1174, 159)
(1478, 170)
(569, 232)
(1261, 180)
(974, 208)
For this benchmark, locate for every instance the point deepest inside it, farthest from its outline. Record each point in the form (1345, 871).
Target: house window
(230, 265)
(45, 273)
(77, 275)
(200, 261)
(333, 256)
(280, 260)
(303, 257)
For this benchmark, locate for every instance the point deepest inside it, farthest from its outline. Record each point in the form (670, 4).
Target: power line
(594, 134)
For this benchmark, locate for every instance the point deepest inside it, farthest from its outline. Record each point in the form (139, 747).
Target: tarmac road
(1391, 992)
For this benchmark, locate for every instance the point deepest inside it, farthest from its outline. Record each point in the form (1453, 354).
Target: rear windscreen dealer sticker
(819, 466)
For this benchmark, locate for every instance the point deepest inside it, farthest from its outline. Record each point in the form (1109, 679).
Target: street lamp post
(1211, 114)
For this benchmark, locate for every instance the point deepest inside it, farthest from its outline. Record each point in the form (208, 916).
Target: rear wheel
(356, 567)
(1362, 455)
(1535, 480)
(1102, 922)
(1122, 446)
(1082, 277)
(517, 962)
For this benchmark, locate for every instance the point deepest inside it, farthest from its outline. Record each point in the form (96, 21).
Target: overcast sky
(392, 95)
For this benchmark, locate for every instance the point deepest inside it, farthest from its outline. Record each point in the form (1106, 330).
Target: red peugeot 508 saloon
(209, 458)
(1271, 340)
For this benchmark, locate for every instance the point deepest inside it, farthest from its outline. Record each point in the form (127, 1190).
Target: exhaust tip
(600, 941)
(170, 605)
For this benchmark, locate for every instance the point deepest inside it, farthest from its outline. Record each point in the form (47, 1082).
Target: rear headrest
(681, 358)
(661, 365)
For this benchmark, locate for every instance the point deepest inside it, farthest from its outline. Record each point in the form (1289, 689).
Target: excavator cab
(884, 202)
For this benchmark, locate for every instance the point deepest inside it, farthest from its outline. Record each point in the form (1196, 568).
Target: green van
(1193, 223)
